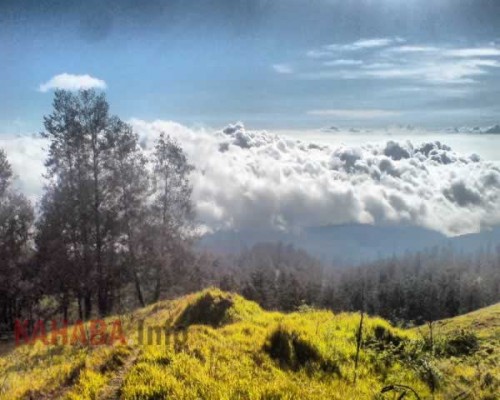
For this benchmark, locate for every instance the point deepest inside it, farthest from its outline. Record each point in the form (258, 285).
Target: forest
(115, 229)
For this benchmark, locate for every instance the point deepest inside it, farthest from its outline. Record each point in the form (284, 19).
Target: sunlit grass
(240, 351)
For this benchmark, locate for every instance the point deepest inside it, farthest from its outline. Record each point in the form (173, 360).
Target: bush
(383, 337)
(294, 352)
(461, 343)
(208, 309)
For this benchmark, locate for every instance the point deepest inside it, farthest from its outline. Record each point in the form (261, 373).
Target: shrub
(461, 343)
(280, 347)
(208, 309)
(383, 337)
(294, 352)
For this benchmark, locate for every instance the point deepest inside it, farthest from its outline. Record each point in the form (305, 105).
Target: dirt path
(112, 390)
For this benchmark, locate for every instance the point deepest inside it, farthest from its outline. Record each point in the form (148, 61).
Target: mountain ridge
(351, 244)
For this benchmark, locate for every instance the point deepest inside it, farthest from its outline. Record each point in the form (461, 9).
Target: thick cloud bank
(249, 179)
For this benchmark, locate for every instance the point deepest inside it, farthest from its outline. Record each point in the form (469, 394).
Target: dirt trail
(112, 390)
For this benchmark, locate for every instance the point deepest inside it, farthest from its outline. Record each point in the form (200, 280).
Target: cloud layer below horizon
(259, 180)
(247, 179)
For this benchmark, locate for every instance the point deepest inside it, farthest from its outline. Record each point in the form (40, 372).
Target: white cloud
(342, 62)
(370, 43)
(474, 52)
(414, 49)
(391, 60)
(26, 154)
(354, 113)
(245, 179)
(462, 71)
(364, 44)
(72, 82)
(283, 68)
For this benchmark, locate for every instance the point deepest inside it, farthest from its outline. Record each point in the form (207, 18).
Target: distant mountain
(495, 129)
(350, 244)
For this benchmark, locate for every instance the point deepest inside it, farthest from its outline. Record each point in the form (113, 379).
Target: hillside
(221, 346)
(352, 244)
(485, 322)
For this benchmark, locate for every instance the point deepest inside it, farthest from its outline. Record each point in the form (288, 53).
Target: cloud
(462, 71)
(389, 59)
(256, 179)
(282, 68)
(474, 52)
(364, 44)
(72, 82)
(354, 113)
(342, 62)
(26, 154)
(369, 43)
(413, 49)
(331, 50)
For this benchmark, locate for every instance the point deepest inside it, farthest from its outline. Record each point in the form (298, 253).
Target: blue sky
(272, 64)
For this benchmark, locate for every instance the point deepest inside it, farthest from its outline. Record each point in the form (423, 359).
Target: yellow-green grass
(221, 346)
(485, 322)
(478, 373)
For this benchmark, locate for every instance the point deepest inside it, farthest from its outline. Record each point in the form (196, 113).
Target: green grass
(225, 347)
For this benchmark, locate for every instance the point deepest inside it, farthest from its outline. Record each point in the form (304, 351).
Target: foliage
(208, 309)
(16, 272)
(463, 342)
(257, 354)
(110, 218)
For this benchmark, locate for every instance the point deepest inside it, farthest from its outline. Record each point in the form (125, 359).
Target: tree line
(114, 230)
(410, 289)
(110, 218)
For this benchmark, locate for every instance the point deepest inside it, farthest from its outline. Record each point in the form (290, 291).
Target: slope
(217, 345)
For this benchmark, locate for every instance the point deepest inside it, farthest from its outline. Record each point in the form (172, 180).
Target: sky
(274, 64)
(295, 113)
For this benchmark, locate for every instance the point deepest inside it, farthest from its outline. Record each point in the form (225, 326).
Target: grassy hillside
(485, 322)
(221, 346)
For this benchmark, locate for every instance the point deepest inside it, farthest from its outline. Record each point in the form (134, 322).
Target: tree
(109, 216)
(80, 213)
(171, 212)
(129, 180)
(16, 220)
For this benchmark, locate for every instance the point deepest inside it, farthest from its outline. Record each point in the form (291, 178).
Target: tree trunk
(80, 309)
(359, 339)
(102, 300)
(138, 289)
(87, 302)
(157, 290)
